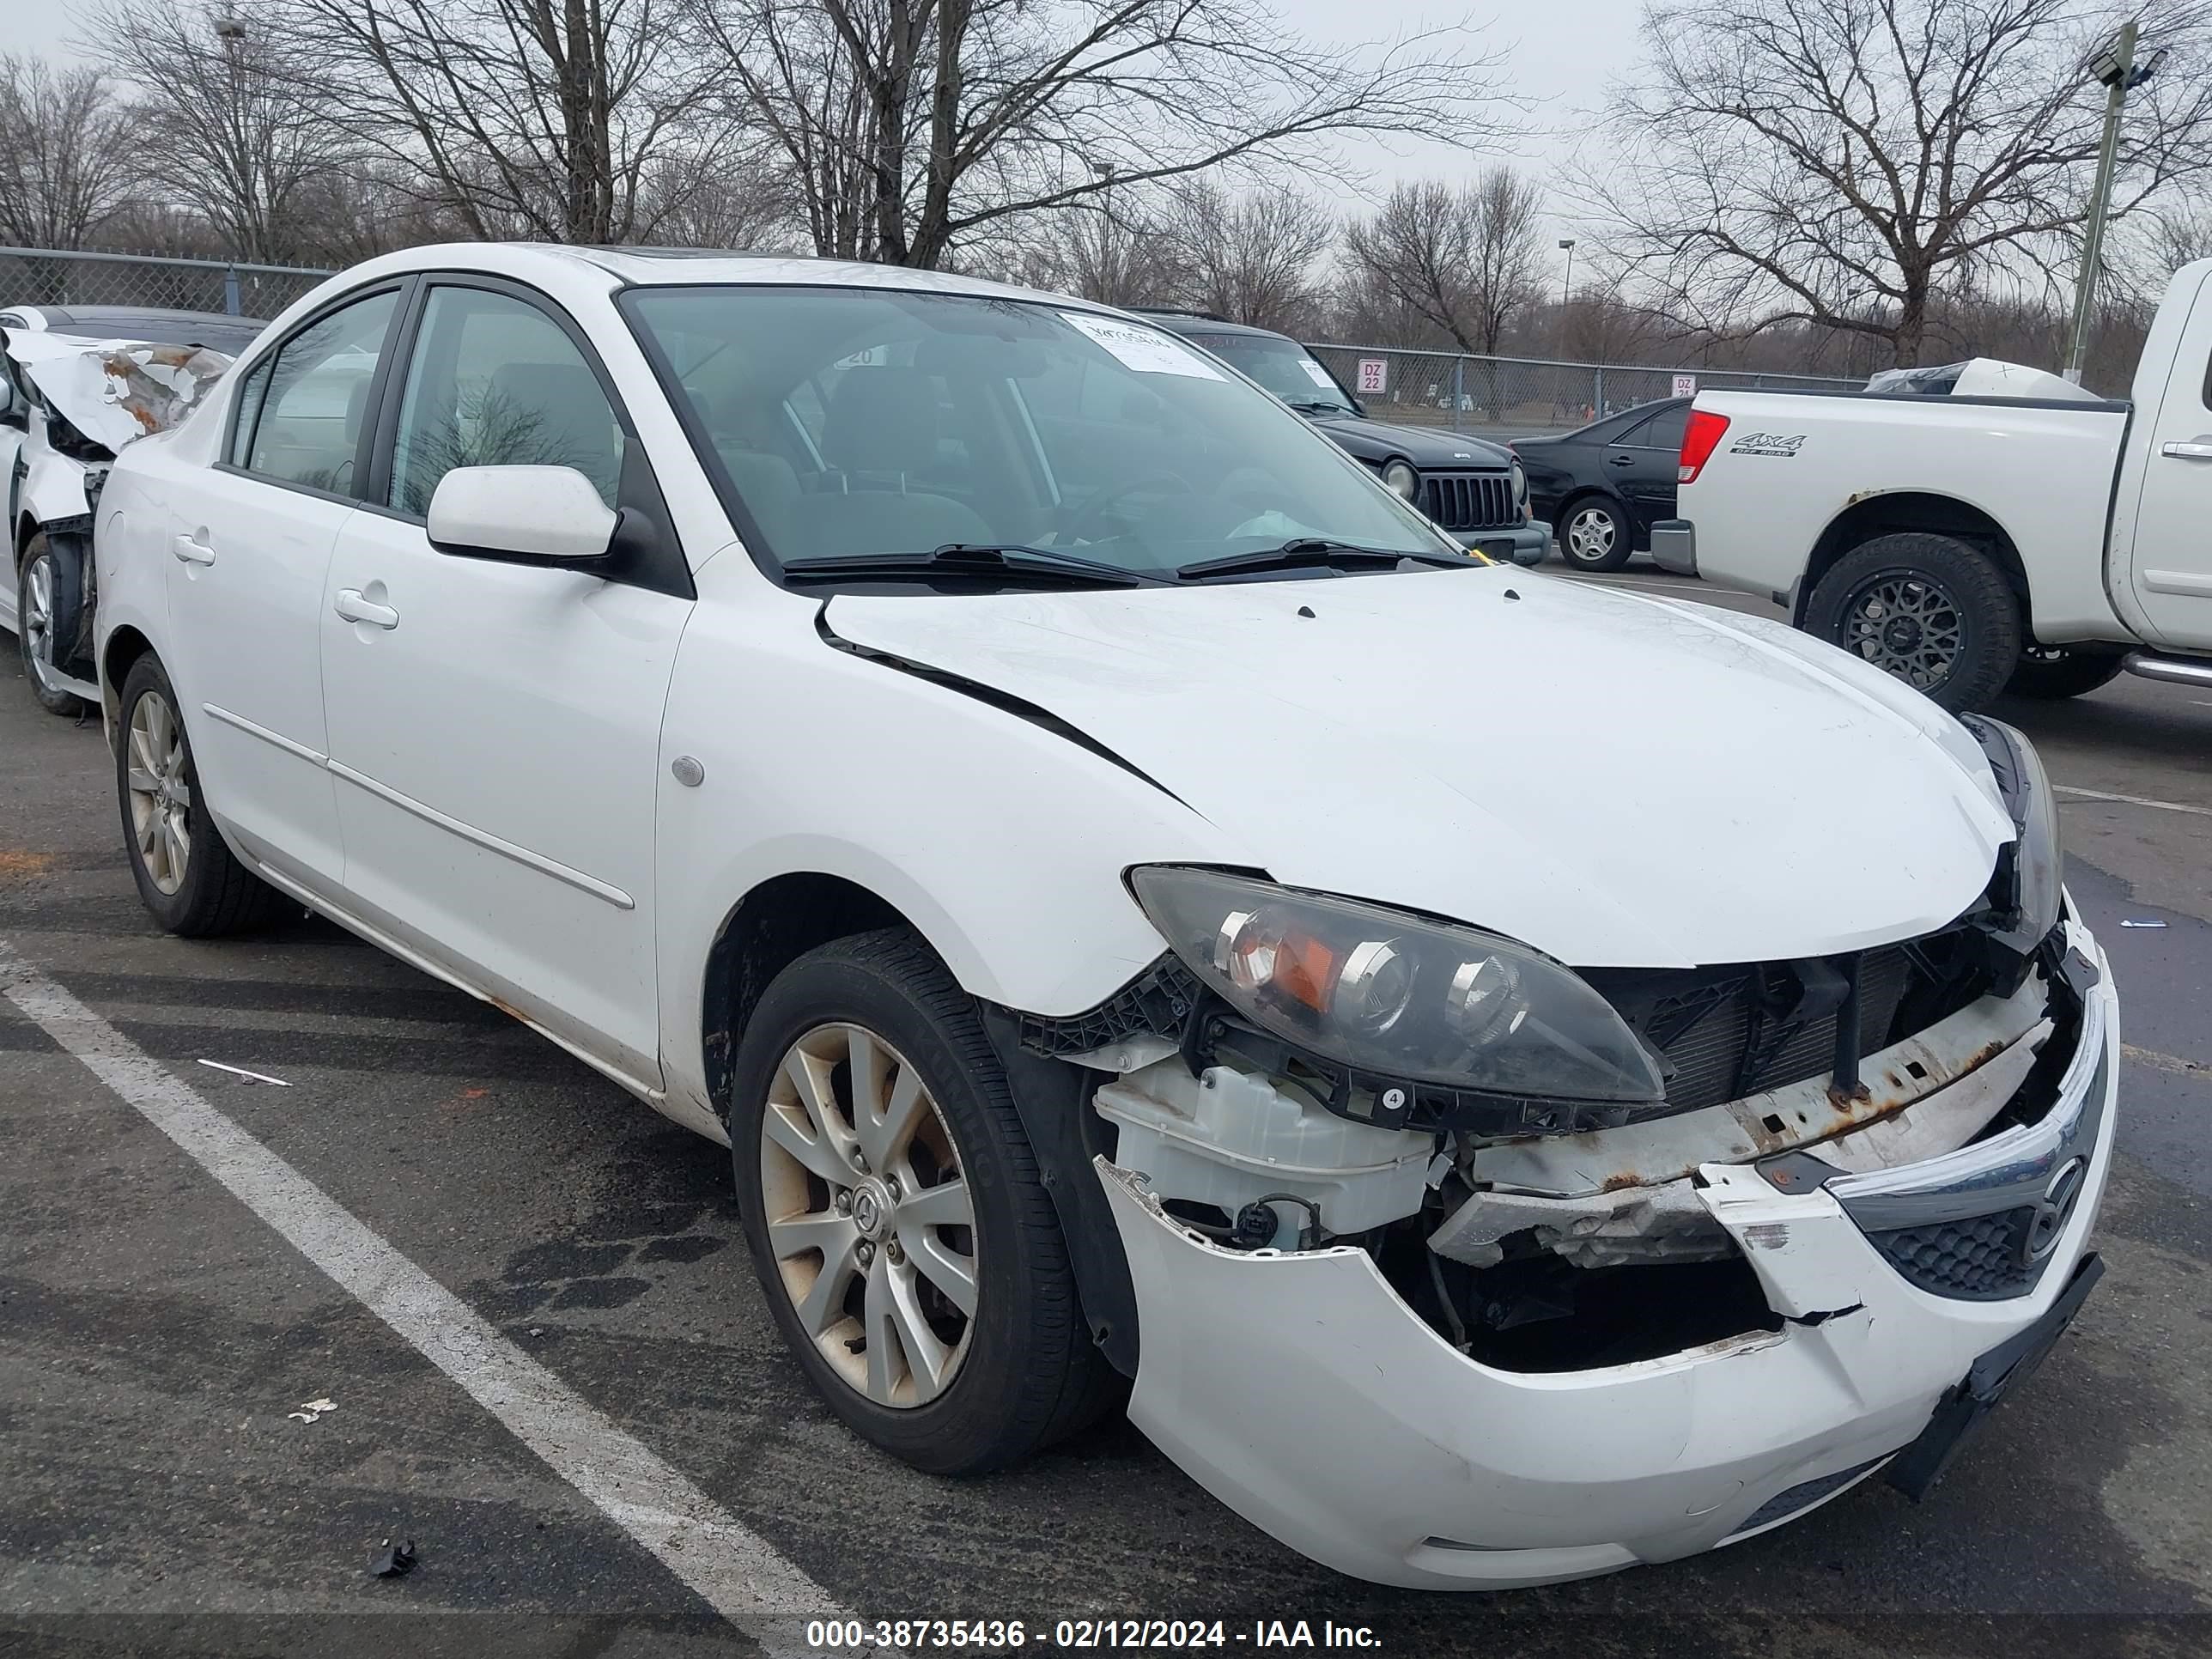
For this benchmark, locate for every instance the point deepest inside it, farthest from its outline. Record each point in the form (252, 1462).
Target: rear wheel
(1594, 535)
(1929, 610)
(2054, 672)
(46, 625)
(186, 875)
(908, 1249)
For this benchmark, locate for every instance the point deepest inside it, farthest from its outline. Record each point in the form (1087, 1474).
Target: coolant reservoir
(1225, 1138)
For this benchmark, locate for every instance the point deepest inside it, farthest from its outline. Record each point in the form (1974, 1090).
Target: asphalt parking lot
(160, 1344)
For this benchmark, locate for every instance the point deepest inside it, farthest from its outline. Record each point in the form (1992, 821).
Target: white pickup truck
(1971, 543)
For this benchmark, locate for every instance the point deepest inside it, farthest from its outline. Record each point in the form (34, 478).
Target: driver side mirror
(12, 412)
(548, 515)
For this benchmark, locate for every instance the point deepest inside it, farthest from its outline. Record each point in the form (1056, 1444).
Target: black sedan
(1470, 487)
(1603, 487)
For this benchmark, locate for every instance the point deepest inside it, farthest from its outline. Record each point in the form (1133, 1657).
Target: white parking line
(2132, 800)
(733, 1568)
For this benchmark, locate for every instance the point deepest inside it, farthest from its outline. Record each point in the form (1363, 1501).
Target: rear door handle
(2199, 450)
(1620, 460)
(353, 607)
(188, 551)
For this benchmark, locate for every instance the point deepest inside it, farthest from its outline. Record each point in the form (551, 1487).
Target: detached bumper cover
(1301, 1392)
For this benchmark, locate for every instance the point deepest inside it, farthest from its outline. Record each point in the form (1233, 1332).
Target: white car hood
(1617, 779)
(116, 391)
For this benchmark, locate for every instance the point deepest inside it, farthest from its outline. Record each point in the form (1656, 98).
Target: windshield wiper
(1321, 406)
(966, 559)
(1315, 553)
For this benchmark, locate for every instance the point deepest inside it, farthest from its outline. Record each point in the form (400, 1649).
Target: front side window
(852, 423)
(496, 382)
(301, 423)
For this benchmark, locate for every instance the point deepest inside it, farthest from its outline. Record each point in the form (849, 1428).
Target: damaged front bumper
(1302, 1391)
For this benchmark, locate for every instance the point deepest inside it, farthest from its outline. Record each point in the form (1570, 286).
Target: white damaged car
(1035, 800)
(76, 384)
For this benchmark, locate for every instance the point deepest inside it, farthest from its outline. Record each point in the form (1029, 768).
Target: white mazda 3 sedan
(1050, 812)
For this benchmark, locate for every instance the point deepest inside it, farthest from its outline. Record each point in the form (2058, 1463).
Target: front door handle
(353, 607)
(188, 551)
(2199, 449)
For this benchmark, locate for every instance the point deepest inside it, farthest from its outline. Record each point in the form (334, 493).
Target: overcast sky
(1559, 55)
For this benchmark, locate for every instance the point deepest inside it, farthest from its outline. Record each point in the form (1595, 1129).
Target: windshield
(1284, 366)
(852, 424)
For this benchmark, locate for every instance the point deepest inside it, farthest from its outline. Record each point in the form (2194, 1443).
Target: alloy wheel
(1589, 535)
(161, 795)
(1907, 626)
(869, 1216)
(38, 619)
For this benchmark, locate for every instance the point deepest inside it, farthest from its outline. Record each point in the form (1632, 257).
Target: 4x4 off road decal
(1766, 443)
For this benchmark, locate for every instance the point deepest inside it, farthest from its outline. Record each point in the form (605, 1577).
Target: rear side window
(496, 382)
(1663, 431)
(304, 426)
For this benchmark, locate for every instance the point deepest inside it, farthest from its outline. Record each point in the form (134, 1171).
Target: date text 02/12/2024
(989, 1636)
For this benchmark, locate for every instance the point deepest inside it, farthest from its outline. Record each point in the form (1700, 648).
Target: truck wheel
(906, 1244)
(1925, 608)
(2054, 672)
(45, 622)
(1593, 534)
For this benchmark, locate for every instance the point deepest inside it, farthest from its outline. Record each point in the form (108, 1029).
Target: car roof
(117, 319)
(567, 272)
(1199, 322)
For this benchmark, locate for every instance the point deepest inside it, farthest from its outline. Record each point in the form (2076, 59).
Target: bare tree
(914, 126)
(220, 123)
(1252, 258)
(1466, 260)
(535, 117)
(1114, 249)
(61, 154)
(1852, 163)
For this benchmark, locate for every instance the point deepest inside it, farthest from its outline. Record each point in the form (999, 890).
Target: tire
(1929, 610)
(1599, 527)
(2051, 672)
(206, 891)
(1017, 1371)
(45, 622)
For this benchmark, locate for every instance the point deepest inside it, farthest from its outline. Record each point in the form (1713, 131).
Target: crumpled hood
(115, 391)
(1617, 779)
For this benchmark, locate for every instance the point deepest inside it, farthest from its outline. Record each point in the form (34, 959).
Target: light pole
(1567, 287)
(2114, 65)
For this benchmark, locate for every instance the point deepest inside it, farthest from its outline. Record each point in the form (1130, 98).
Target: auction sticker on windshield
(1142, 349)
(1317, 374)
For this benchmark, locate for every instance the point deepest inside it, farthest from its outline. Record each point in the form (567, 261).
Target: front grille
(1982, 1258)
(1470, 501)
(1803, 1496)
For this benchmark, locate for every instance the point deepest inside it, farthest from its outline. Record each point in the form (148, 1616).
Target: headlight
(1403, 479)
(1520, 486)
(2038, 858)
(1396, 997)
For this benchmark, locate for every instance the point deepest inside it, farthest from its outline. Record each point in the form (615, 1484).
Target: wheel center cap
(871, 1208)
(1902, 633)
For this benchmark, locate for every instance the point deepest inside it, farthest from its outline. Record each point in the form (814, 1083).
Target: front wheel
(186, 875)
(45, 624)
(1594, 535)
(1926, 608)
(2052, 672)
(904, 1240)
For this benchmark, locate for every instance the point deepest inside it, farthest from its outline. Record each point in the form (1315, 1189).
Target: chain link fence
(1517, 395)
(47, 276)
